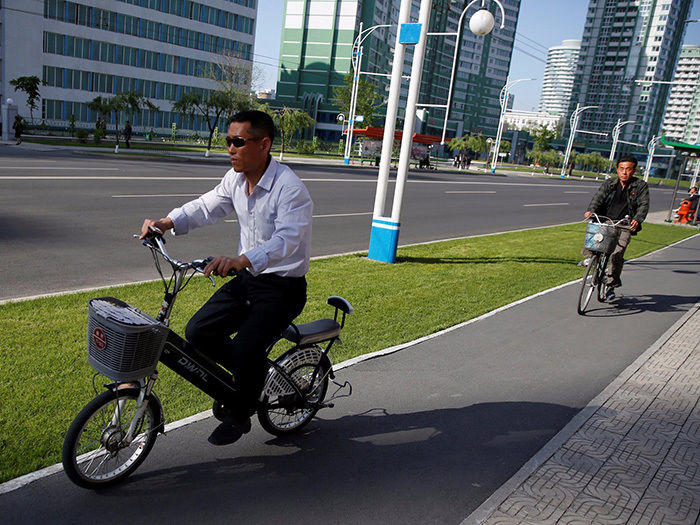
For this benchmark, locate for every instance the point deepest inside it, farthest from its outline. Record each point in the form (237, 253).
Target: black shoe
(609, 293)
(229, 431)
(613, 283)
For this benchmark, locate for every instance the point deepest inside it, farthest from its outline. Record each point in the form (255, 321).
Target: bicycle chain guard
(278, 385)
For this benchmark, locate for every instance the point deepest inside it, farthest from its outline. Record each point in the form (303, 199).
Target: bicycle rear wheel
(280, 414)
(588, 284)
(94, 455)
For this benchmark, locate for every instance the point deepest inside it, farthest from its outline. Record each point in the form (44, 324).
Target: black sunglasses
(239, 142)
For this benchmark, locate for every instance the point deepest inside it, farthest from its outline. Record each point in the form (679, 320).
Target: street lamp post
(651, 148)
(616, 139)
(385, 230)
(356, 58)
(503, 99)
(574, 128)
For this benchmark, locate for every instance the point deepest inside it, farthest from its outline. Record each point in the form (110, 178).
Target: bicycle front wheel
(94, 452)
(587, 285)
(602, 266)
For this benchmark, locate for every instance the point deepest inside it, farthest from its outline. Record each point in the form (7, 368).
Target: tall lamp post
(573, 121)
(356, 68)
(503, 99)
(651, 148)
(616, 139)
(384, 235)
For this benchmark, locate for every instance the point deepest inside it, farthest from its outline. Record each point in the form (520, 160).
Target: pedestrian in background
(18, 126)
(127, 134)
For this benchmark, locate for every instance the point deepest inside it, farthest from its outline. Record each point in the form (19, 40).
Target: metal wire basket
(124, 343)
(601, 237)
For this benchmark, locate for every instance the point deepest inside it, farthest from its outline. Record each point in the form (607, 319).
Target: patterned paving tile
(582, 467)
(588, 509)
(671, 477)
(611, 420)
(668, 357)
(674, 408)
(683, 453)
(637, 388)
(500, 518)
(664, 508)
(651, 426)
(643, 445)
(531, 508)
(622, 482)
(593, 442)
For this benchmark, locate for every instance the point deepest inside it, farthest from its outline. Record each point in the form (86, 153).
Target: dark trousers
(257, 309)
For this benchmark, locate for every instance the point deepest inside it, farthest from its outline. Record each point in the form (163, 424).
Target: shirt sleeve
(207, 209)
(643, 200)
(292, 227)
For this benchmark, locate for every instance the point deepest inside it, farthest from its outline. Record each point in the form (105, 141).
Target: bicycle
(114, 433)
(601, 239)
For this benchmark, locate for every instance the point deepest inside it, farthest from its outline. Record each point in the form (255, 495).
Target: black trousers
(257, 309)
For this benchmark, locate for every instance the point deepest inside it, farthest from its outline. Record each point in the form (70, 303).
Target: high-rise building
(83, 49)
(558, 81)
(316, 48)
(625, 41)
(682, 119)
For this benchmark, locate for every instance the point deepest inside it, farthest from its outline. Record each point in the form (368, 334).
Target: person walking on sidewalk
(274, 212)
(127, 134)
(18, 126)
(616, 198)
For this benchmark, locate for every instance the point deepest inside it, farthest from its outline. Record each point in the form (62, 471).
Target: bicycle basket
(124, 343)
(601, 237)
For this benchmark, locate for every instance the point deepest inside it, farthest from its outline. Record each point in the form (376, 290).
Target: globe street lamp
(573, 121)
(616, 139)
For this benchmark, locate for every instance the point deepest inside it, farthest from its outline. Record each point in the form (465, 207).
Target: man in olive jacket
(616, 198)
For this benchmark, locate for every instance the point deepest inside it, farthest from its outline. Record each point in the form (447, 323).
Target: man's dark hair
(260, 122)
(627, 158)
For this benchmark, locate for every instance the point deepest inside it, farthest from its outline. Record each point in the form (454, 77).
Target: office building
(682, 119)
(558, 81)
(83, 49)
(625, 41)
(315, 55)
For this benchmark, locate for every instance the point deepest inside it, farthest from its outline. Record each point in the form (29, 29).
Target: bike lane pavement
(429, 433)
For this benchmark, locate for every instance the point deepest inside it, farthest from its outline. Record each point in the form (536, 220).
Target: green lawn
(45, 378)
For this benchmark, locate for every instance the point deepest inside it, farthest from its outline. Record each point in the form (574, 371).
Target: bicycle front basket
(601, 237)
(124, 343)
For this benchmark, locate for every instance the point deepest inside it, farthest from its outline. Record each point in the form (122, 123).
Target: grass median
(45, 379)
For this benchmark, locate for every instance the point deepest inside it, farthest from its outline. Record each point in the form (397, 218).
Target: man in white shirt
(274, 212)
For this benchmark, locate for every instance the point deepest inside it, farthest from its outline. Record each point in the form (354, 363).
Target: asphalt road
(67, 219)
(428, 434)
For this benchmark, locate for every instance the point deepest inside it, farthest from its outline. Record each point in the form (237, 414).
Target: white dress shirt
(275, 219)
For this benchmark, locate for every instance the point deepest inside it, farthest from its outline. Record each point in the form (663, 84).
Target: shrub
(82, 135)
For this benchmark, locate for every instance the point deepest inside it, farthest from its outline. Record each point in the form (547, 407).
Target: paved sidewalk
(631, 456)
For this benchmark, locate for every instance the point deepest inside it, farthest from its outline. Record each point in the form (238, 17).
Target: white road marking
(469, 191)
(161, 195)
(57, 168)
(577, 192)
(549, 204)
(325, 216)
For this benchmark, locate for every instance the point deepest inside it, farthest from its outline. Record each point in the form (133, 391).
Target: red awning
(378, 133)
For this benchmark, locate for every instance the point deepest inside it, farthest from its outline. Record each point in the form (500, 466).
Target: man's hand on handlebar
(587, 214)
(634, 225)
(164, 224)
(223, 266)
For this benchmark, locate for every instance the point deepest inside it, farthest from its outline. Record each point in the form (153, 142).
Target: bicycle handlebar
(608, 220)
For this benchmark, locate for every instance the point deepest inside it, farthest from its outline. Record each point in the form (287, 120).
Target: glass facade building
(558, 80)
(315, 55)
(625, 41)
(682, 119)
(82, 49)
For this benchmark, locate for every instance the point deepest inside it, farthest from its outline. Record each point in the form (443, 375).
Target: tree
(477, 143)
(128, 101)
(457, 143)
(505, 146)
(368, 98)
(543, 137)
(288, 122)
(29, 86)
(211, 105)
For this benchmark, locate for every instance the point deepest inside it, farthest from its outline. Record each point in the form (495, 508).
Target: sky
(541, 24)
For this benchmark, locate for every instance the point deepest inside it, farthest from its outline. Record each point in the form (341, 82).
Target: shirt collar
(266, 181)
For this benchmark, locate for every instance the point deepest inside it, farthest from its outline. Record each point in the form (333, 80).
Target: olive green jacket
(637, 199)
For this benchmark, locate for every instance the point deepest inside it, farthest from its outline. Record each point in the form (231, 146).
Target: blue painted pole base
(346, 160)
(383, 240)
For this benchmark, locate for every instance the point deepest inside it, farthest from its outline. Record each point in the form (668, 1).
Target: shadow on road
(421, 464)
(631, 305)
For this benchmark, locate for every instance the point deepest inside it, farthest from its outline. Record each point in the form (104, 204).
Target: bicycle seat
(313, 332)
